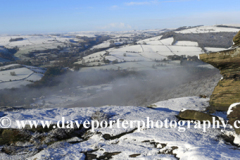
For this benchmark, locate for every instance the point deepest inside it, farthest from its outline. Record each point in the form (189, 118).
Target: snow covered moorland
(127, 142)
(159, 52)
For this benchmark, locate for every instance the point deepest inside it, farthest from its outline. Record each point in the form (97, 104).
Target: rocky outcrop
(234, 115)
(31, 141)
(226, 93)
(236, 39)
(227, 90)
(195, 115)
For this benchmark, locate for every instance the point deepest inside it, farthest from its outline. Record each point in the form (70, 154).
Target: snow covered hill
(209, 29)
(15, 75)
(160, 52)
(30, 43)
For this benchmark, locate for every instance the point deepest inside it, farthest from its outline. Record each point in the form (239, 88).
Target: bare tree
(13, 73)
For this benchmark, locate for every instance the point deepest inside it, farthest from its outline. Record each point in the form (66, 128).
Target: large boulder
(227, 90)
(236, 39)
(195, 115)
(11, 136)
(233, 114)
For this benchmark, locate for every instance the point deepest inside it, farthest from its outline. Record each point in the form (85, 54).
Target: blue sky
(42, 16)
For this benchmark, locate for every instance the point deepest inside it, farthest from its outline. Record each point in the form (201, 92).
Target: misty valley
(161, 74)
(117, 68)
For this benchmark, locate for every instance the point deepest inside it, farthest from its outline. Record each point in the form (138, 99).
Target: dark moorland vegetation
(219, 40)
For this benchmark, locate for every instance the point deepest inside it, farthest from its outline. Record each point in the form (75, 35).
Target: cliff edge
(228, 62)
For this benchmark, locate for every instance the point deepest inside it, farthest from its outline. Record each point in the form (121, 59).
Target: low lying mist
(148, 87)
(98, 88)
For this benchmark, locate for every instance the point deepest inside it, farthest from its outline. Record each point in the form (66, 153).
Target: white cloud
(153, 2)
(142, 3)
(137, 3)
(178, 0)
(116, 26)
(114, 7)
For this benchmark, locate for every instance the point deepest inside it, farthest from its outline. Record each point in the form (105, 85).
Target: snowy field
(150, 40)
(31, 43)
(136, 66)
(138, 54)
(15, 75)
(186, 43)
(105, 44)
(134, 56)
(211, 49)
